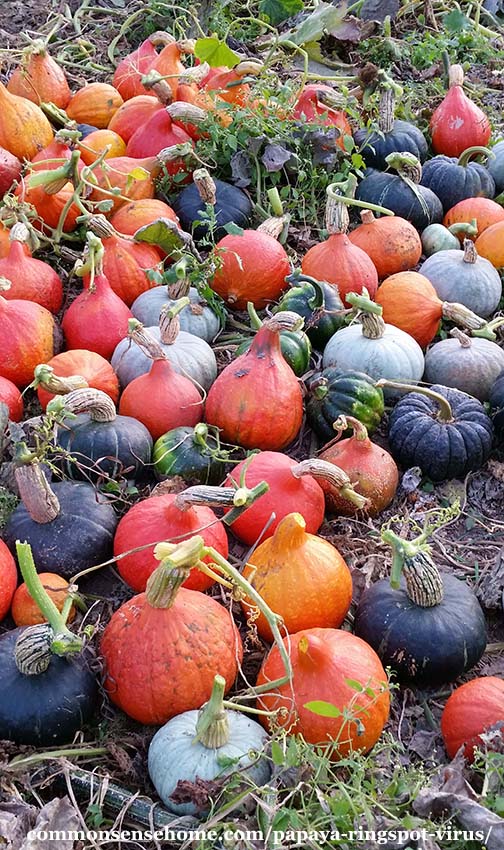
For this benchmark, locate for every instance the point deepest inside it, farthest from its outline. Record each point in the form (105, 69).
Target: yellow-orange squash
(94, 104)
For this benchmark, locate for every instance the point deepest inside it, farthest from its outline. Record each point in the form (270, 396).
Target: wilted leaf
(279, 10)
(378, 10)
(16, 819)
(323, 708)
(324, 19)
(58, 815)
(164, 233)
(470, 814)
(275, 157)
(456, 21)
(241, 169)
(352, 29)
(215, 52)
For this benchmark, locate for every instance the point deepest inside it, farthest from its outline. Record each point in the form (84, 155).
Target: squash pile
(164, 440)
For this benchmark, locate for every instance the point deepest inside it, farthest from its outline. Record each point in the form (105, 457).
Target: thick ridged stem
(411, 558)
(368, 314)
(461, 314)
(239, 499)
(169, 320)
(189, 112)
(445, 413)
(323, 470)
(98, 404)
(386, 110)
(212, 726)
(39, 500)
(141, 337)
(47, 380)
(470, 252)
(466, 155)
(285, 320)
(406, 164)
(464, 340)
(455, 76)
(343, 423)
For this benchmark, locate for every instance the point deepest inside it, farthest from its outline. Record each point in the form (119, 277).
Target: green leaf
(161, 232)
(356, 686)
(322, 708)
(215, 52)
(277, 753)
(279, 10)
(456, 21)
(227, 761)
(323, 19)
(233, 229)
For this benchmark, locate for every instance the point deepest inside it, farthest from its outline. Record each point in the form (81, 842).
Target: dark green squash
(192, 453)
(496, 400)
(496, 165)
(442, 430)
(335, 393)
(428, 628)
(68, 525)
(45, 697)
(401, 192)
(231, 205)
(454, 180)
(296, 350)
(318, 302)
(100, 442)
(392, 136)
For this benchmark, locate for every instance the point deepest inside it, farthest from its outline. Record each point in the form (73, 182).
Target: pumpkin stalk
(470, 252)
(205, 185)
(61, 640)
(386, 110)
(445, 412)
(368, 314)
(138, 334)
(336, 477)
(488, 329)
(411, 558)
(237, 498)
(212, 726)
(169, 320)
(164, 583)
(343, 423)
(474, 151)
(93, 264)
(153, 81)
(47, 380)
(98, 404)
(461, 314)
(285, 320)
(40, 501)
(179, 111)
(470, 228)
(343, 194)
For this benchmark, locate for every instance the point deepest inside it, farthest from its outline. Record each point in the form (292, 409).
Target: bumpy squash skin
(231, 205)
(442, 450)
(472, 709)
(404, 137)
(392, 243)
(47, 709)
(348, 394)
(390, 191)
(161, 662)
(453, 183)
(496, 400)
(121, 447)
(424, 645)
(80, 536)
(471, 369)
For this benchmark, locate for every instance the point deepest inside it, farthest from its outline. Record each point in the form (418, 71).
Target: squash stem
(332, 475)
(333, 189)
(363, 303)
(424, 585)
(445, 412)
(63, 642)
(343, 423)
(488, 330)
(212, 726)
(466, 155)
(255, 321)
(275, 201)
(469, 228)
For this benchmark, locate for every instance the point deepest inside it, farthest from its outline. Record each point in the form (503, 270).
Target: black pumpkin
(99, 441)
(231, 205)
(191, 453)
(48, 708)
(454, 180)
(334, 393)
(496, 400)
(419, 205)
(80, 535)
(442, 430)
(320, 305)
(376, 146)
(496, 165)
(428, 628)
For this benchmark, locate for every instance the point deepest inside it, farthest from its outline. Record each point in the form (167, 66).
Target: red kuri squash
(39, 78)
(457, 123)
(8, 579)
(252, 267)
(92, 367)
(472, 709)
(10, 395)
(31, 279)
(391, 242)
(27, 338)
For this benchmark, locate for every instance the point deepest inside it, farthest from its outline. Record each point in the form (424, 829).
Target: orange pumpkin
(326, 663)
(94, 104)
(91, 366)
(26, 612)
(132, 114)
(128, 75)
(4, 240)
(472, 709)
(301, 577)
(490, 244)
(485, 211)
(10, 396)
(131, 217)
(31, 279)
(391, 242)
(134, 177)
(8, 579)
(457, 123)
(39, 78)
(96, 143)
(338, 260)
(169, 62)
(252, 267)
(27, 338)
(125, 263)
(24, 129)
(309, 108)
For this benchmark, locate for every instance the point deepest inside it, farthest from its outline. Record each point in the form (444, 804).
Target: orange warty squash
(391, 242)
(94, 144)
(256, 400)
(25, 611)
(485, 211)
(457, 123)
(27, 338)
(175, 638)
(10, 395)
(490, 244)
(169, 62)
(338, 260)
(24, 129)
(96, 371)
(8, 579)
(303, 578)
(31, 279)
(252, 267)
(410, 302)
(371, 469)
(94, 104)
(471, 710)
(39, 78)
(323, 662)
